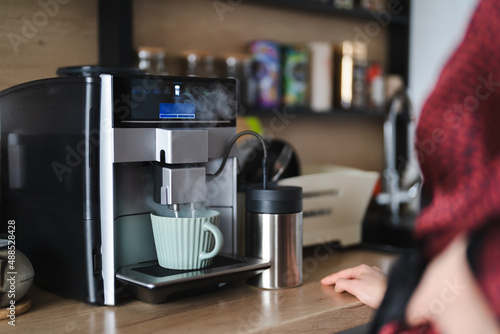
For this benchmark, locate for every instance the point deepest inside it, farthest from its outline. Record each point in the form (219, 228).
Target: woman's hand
(367, 283)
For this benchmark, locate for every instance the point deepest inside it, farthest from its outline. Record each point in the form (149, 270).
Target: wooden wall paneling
(36, 39)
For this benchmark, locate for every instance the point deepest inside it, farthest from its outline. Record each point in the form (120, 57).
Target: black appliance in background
(283, 161)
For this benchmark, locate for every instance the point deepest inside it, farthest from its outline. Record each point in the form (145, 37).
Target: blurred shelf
(328, 8)
(116, 29)
(355, 113)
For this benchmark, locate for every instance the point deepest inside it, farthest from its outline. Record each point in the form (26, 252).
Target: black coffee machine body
(83, 157)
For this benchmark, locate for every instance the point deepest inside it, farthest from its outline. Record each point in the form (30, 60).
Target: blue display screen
(177, 111)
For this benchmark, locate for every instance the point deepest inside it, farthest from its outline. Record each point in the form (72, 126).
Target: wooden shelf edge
(329, 9)
(355, 113)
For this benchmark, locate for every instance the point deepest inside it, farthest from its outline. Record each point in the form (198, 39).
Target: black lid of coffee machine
(275, 199)
(95, 70)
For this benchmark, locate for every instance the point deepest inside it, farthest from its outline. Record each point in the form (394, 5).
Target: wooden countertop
(236, 308)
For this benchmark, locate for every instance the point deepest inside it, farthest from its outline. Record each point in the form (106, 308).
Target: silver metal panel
(157, 288)
(221, 190)
(134, 145)
(222, 197)
(278, 239)
(178, 146)
(106, 188)
(183, 185)
(218, 139)
(129, 274)
(182, 145)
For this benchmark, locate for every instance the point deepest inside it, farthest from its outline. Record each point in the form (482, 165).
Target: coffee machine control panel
(152, 101)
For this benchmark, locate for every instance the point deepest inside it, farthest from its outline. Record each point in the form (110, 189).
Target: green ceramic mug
(189, 241)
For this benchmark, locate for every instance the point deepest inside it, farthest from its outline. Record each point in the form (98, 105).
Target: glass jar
(152, 60)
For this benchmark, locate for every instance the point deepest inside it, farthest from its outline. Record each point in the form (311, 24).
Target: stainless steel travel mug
(274, 233)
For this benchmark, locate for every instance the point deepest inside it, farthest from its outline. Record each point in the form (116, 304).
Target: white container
(335, 200)
(321, 76)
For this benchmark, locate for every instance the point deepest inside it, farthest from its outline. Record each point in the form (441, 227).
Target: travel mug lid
(274, 199)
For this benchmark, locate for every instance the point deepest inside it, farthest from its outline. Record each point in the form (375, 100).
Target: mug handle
(219, 241)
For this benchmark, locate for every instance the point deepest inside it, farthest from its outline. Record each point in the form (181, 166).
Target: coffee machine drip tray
(149, 282)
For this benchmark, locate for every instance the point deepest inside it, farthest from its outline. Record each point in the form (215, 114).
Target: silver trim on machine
(106, 188)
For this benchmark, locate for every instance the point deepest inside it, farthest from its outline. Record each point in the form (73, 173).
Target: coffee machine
(85, 159)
